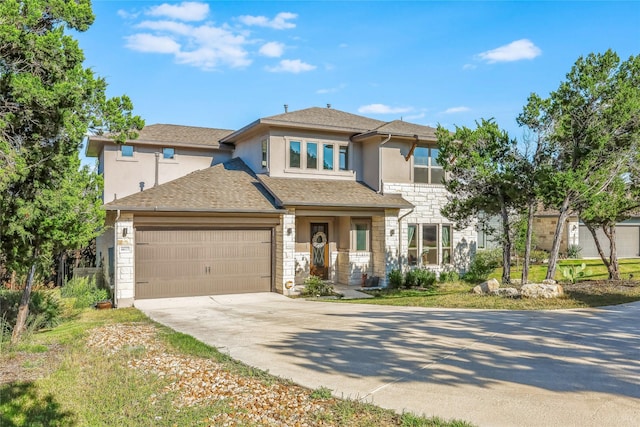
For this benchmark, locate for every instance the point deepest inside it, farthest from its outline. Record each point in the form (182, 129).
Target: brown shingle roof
(399, 127)
(177, 134)
(328, 117)
(171, 135)
(339, 121)
(334, 193)
(226, 187)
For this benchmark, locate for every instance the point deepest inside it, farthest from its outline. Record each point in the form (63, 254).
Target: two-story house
(196, 211)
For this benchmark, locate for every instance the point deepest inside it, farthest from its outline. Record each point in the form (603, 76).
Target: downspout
(115, 260)
(157, 168)
(380, 163)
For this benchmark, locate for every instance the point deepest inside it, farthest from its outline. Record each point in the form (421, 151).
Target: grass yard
(117, 368)
(592, 290)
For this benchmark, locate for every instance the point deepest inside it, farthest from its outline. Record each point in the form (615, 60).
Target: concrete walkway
(492, 368)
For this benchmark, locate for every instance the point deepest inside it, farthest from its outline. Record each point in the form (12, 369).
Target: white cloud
(514, 51)
(454, 110)
(383, 109)
(331, 90)
(291, 66)
(279, 22)
(185, 11)
(127, 15)
(272, 49)
(150, 43)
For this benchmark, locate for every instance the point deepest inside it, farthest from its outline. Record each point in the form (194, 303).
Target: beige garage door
(627, 242)
(174, 263)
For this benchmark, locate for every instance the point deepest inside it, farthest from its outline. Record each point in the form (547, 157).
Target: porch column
(385, 241)
(288, 250)
(124, 273)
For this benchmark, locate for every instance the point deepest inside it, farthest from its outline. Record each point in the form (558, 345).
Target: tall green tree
(481, 179)
(587, 123)
(619, 201)
(48, 102)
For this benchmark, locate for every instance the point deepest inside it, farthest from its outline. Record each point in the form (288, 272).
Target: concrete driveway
(492, 368)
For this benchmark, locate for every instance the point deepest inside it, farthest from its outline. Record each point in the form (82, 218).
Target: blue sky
(225, 64)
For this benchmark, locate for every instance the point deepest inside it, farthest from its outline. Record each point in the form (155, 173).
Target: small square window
(126, 150)
(168, 153)
(360, 232)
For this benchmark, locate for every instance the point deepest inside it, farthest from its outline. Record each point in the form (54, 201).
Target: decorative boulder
(541, 290)
(506, 292)
(549, 282)
(486, 287)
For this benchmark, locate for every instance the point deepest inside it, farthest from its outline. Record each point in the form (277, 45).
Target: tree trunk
(23, 308)
(613, 267)
(557, 239)
(527, 243)
(506, 244)
(604, 258)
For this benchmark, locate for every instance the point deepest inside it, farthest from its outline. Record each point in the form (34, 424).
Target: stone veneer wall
(285, 257)
(124, 261)
(352, 265)
(544, 228)
(428, 200)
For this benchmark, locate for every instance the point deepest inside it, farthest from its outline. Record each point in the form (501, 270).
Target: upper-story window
(327, 154)
(315, 155)
(168, 153)
(294, 154)
(265, 147)
(425, 166)
(344, 158)
(126, 150)
(312, 155)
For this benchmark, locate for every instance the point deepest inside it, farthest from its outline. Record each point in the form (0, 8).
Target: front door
(320, 250)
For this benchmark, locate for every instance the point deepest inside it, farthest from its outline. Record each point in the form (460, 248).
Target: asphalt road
(491, 368)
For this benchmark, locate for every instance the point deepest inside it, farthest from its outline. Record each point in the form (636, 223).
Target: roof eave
(410, 136)
(347, 205)
(111, 207)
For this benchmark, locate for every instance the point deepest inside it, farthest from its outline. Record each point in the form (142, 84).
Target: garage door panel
(202, 262)
(627, 242)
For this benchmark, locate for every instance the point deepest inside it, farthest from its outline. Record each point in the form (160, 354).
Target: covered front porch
(342, 246)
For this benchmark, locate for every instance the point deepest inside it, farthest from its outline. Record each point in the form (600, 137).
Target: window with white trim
(317, 155)
(312, 155)
(429, 244)
(265, 147)
(361, 235)
(425, 166)
(294, 154)
(168, 153)
(126, 150)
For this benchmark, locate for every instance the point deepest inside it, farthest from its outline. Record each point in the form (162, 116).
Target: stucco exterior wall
(123, 175)
(250, 151)
(279, 155)
(428, 200)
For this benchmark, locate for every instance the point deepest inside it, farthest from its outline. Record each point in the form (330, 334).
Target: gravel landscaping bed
(198, 381)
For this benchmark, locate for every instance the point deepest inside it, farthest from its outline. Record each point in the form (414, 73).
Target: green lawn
(595, 270)
(586, 293)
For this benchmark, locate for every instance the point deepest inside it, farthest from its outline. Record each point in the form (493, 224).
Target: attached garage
(627, 241)
(191, 262)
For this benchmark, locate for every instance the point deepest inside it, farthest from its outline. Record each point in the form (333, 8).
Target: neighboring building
(316, 191)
